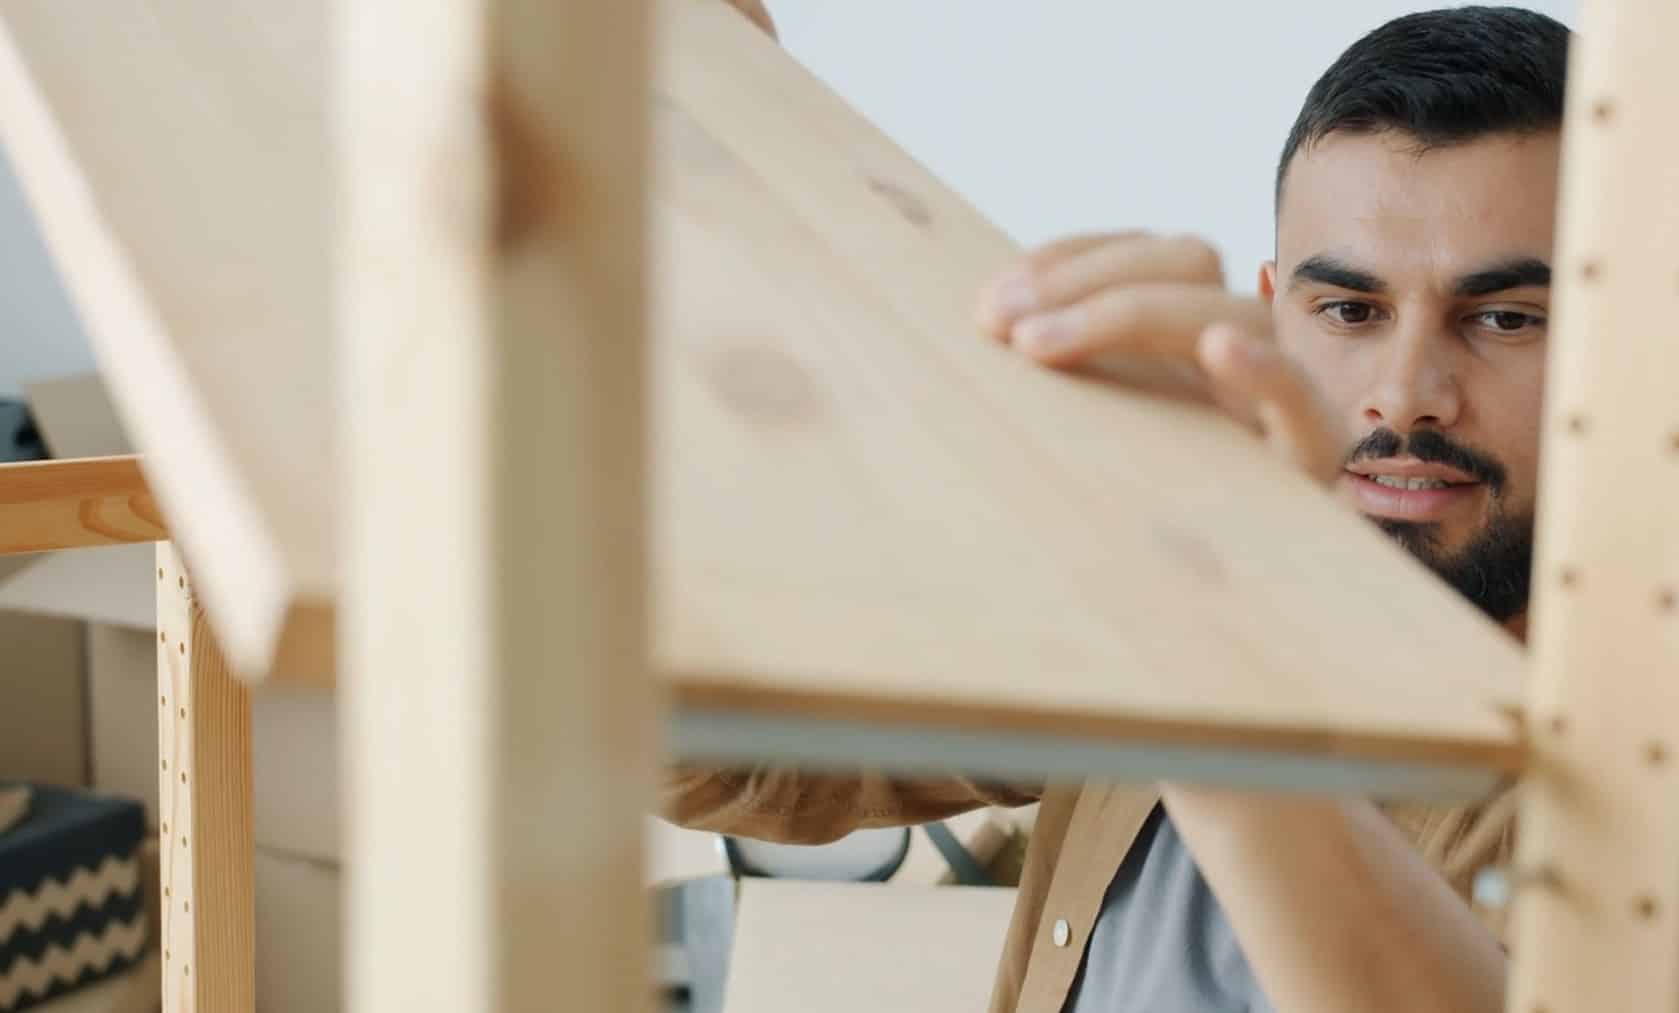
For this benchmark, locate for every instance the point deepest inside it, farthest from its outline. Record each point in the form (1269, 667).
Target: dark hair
(1443, 77)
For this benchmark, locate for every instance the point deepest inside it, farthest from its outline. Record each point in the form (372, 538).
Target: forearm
(794, 806)
(1334, 909)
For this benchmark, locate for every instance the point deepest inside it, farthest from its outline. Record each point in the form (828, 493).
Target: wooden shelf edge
(909, 748)
(857, 727)
(76, 503)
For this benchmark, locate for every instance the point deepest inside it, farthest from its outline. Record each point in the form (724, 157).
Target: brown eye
(1507, 321)
(1347, 313)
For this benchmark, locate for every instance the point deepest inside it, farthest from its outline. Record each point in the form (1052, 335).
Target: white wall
(40, 337)
(1049, 115)
(1054, 116)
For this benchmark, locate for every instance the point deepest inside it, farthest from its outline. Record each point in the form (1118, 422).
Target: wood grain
(864, 511)
(1597, 925)
(860, 510)
(204, 809)
(139, 134)
(493, 300)
(47, 505)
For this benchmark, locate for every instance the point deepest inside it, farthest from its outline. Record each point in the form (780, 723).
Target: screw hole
(163, 700)
(183, 712)
(1655, 754)
(1559, 725)
(183, 777)
(181, 582)
(165, 764)
(1603, 110)
(1646, 906)
(1569, 576)
(163, 828)
(1591, 270)
(1577, 425)
(183, 647)
(160, 573)
(161, 638)
(1666, 599)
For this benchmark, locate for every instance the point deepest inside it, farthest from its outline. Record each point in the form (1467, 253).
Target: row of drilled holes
(163, 828)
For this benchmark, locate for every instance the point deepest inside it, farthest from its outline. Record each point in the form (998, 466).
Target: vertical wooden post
(498, 719)
(204, 809)
(1597, 927)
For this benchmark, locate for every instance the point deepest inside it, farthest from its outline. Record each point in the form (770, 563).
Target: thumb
(1269, 391)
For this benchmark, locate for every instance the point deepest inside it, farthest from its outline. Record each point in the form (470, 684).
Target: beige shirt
(1082, 834)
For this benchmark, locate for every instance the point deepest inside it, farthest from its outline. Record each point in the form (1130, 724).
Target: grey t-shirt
(1161, 944)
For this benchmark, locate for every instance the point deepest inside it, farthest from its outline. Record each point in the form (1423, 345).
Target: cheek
(1328, 363)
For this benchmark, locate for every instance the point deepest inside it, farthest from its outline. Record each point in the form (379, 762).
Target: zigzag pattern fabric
(71, 898)
(28, 912)
(59, 970)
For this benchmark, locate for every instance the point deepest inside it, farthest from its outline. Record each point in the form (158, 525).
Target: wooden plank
(865, 513)
(46, 505)
(1597, 926)
(176, 157)
(204, 809)
(492, 333)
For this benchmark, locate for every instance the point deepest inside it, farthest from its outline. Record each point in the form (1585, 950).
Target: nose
(1416, 386)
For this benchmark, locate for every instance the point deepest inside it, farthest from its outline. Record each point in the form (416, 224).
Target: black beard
(1493, 571)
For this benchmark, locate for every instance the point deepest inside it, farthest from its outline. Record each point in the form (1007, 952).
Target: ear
(1268, 281)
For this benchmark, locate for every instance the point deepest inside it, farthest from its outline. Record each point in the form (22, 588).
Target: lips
(1429, 493)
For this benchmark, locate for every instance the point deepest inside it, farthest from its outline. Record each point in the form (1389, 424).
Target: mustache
(1435, 447)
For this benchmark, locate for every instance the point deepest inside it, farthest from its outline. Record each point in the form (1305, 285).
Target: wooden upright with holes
(499, 720)
(1597, 928)
(204, 809)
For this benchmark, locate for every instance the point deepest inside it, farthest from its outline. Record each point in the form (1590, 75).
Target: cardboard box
(849, 947)
(299, 935)
(43, 701)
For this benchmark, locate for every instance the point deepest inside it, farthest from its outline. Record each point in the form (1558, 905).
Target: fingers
(1068, 270)
(1161, 320)
(758, 13)
(1260, 385)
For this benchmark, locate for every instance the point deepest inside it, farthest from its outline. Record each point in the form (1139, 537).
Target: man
(1397, 349)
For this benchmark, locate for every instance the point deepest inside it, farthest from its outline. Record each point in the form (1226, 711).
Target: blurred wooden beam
(177, 159)
(1597, 901)
(493, 346)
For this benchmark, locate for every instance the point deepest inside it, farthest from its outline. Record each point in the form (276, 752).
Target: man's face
(1415, 290)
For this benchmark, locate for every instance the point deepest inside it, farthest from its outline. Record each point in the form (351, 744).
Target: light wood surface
(1597, 906)
(204, 809)
(861, 511)
(864, 511)
(176, 157)
(47, 505)
(493, 339)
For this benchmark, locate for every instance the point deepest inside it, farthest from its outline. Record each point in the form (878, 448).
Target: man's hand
(1333, 907)
(759, 14)
(1154, 310)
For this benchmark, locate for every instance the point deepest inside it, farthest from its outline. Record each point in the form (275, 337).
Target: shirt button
(1062, 932)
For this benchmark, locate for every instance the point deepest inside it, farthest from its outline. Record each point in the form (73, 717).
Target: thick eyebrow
(1518, 272)
(1327, 270)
